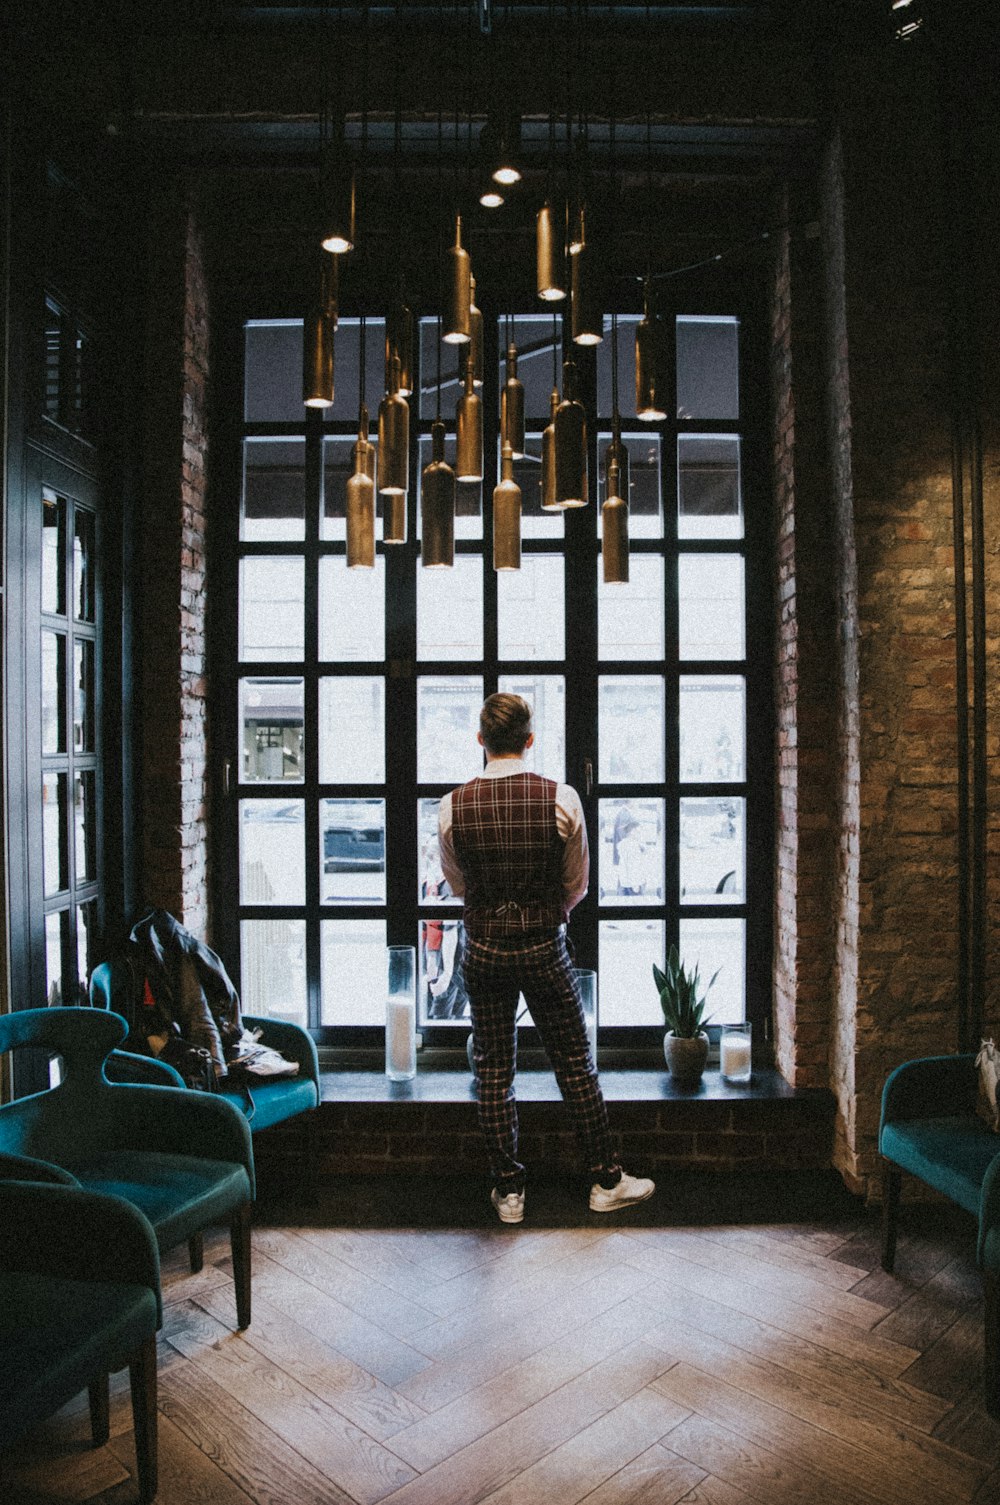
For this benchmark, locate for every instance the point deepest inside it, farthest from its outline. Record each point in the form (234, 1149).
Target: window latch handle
(588, 777)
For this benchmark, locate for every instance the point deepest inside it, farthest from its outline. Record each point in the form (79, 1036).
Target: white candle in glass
(734, 1056)
(400, 1037)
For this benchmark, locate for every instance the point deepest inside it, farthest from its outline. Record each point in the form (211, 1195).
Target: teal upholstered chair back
(62, 1122)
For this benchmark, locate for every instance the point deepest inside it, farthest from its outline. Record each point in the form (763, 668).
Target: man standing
(515, 846)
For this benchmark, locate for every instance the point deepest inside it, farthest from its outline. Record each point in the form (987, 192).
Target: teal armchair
(929, 1127)
(263, 1103)
(79, 1299)
(184, 1159)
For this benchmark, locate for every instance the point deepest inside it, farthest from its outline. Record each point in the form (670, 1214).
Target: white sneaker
(510, 1209)
(630, 1189)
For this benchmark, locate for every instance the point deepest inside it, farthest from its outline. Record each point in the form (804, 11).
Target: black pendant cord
(440, 291)
(649, 176)
(365, 64)
(555, 352)
(550, 179)
(616, 421)
(361, 373)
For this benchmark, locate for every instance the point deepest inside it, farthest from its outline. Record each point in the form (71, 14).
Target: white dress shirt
(569, 822)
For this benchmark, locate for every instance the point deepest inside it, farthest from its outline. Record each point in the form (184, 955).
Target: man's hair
(505, 724)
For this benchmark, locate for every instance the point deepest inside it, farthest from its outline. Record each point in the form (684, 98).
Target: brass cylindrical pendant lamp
(469, 430)
(512, 407)
(570, 444)
(457, 317)
(361, 501)
(549, 279)
(399, 342)
(617, 454)
(507, 516)
(506, 163)
(317, 360)
(586, 319)
(577, 237)
(437, 506)
(475, 336)
(340, 207)
(393, 438)
(549, 502)
(650, 366)
(330, 295)
(614, 526)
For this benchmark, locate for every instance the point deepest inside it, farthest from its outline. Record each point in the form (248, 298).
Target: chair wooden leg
(240, 1240)
(142, 1376)
(196, 1252)
(892, 1178)
(991, 1342)
(100, 1427)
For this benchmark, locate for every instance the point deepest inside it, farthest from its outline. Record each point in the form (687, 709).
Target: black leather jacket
(191, 989)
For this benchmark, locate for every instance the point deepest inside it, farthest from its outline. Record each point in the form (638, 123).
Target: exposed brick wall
(174, 666)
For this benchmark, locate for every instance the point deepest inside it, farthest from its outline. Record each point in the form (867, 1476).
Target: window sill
(539, 1086)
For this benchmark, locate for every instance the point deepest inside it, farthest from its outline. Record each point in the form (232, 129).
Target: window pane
(53, 692)
(273, 969)
(630, 726)
(272, 615)
(55, 833)
(448, 709)
(631, 855)
(528, 474)
(546, 694)
(442, 991)
(271, 723)
(710, 591)
(274, 489)
(450, 610)
(53, 356)
(533, 335)
(348, 352)
(83, 695)
(273, 389)
(530, 609)
(84, 595)
(85, 821)
(352, 730)
(55, 926)
(352, 838)
(353, 971)
(272, 852)
(707, 367)
(712, 945)
(712, 728)
(645, 515)
(53, 554)
(626, 367)
(709, 501)
(630, 617)
(351, 611)
(628, 950)
(433, 886)
(468, 494)
(713, 855)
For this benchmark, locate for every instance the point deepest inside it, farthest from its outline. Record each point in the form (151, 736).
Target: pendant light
(361, 500)
(506, 167)
(586, 319)
(394, 442)
(507, 516)
(570, 425)
(512, 407)
(650, 364)
(317, 359)
(330, 283)
(340, 202)
(549, 278)
(475, 335)
(399, 343)
(458, 292)
(437, 506)
(549, 503)
(614, 512)
(469, 428)
(490, 193)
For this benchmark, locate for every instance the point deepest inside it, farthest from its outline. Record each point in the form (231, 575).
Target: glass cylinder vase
(587, 983)
(735, 1052)
(401, 1014)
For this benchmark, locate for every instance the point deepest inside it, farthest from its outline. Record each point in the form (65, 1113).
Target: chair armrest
(124, 1066)
(78, 1235)
(178, 1121)
(27, 1168)
(292, 1040)
(989, 1204)
(933, 1087)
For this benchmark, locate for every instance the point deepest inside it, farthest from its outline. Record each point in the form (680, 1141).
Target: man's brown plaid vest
(509, 849)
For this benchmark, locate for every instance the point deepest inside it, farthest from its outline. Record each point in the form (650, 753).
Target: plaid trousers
(496, 972)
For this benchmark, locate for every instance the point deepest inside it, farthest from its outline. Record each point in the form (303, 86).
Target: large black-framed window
(351, 697)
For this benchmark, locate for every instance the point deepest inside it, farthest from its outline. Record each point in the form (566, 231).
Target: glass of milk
(401, 1014)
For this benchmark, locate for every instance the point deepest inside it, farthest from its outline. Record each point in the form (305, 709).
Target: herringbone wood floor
(658, 1356)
